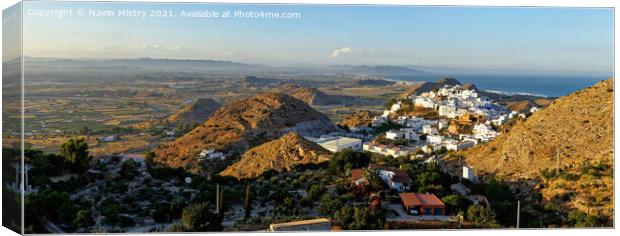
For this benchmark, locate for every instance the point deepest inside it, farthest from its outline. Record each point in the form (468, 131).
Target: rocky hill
(279, 155)
(360, 118)
(243, 124)
(198, 111)
(429, 86)
(517, 102)
(316, 97)
(564, 151)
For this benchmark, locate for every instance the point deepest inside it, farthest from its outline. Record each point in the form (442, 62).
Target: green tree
(75, 151)
(149, 157)
(84, 218)
(456, 203)
(482, 215)
(345, 160)
(366, 219)
(375, 183)
(198, 218)
(316, 191)
(329, 204)
(580, 219)
(129, 169)
(287, 207)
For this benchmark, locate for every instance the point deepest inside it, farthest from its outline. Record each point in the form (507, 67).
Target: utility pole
(589, 197)
(221, 203)
(248, 202)
(557, 159)
(217, 199)
(518, 212)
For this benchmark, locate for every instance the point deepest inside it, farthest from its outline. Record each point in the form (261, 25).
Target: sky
(511, 40)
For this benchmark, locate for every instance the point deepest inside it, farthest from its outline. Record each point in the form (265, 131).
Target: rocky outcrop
(243, 124)
(280, 155)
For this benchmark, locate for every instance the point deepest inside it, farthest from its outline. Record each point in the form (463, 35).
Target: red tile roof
(420, 199)
(357, 174)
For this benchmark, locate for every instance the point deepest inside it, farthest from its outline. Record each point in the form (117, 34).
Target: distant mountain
(198, 111)
(316, 97)
(243, 124)
(279, 155)
(374, 82)
(385, 70)
(565, 151)
(257, 82)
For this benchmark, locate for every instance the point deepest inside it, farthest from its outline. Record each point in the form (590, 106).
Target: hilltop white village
(420, 137)
(427, 138)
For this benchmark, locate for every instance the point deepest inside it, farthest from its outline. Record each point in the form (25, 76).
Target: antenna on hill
(557, 159)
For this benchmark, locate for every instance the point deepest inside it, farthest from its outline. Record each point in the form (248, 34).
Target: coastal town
(379, 167)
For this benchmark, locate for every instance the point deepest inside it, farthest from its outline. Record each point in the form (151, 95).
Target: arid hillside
(360, 118)
(316, 97)
(566, 147)
(279, 155)
(198, 111)
(245, 123)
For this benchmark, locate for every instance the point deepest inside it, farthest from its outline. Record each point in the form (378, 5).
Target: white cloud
(349, 50)
(341, 51)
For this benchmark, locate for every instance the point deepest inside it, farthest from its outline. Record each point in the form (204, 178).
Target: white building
(512, 114)
(377, 121)
(468, 173)
(500, 120)
(455, 146)
(211, 154)
(321, 224)
(337, 143)
(394, 135)
(427, 129)
(385, 150)
(395, 107)
(434, 139)
(442, 124)
(410, 134)
(449, 111)
(425, 102)
(395, 178)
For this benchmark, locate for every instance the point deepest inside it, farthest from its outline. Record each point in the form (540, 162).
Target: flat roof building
(321, 224)
(422, 204)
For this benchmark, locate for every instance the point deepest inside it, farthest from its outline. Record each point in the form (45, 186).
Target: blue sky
(530, 40)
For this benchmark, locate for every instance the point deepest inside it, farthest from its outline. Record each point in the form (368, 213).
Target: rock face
(279, 155)
(242, 124)
(360, 118)
(573, 134)
(312, 96)
(198, 111)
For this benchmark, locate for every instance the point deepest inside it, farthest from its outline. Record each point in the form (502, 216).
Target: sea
(539, 85)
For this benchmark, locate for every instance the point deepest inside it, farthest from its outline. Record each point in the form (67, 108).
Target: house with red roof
(357, 177)
(395, 178)
(422, 204)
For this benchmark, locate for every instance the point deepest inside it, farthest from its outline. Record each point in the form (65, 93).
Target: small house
(422, 204)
